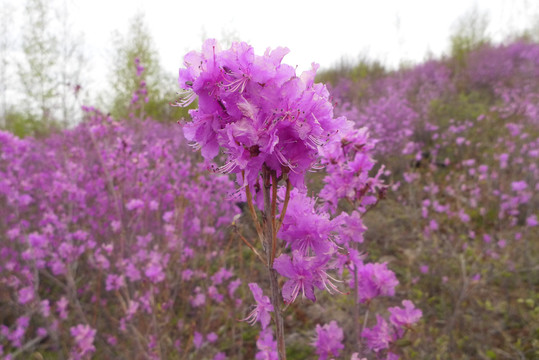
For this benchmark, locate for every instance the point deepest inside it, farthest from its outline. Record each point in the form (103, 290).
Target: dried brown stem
(273, 216)
(250, 246)
(285, 204)
(273, 276)
(252, 212)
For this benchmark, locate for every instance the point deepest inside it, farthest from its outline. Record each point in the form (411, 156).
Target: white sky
(391, 31)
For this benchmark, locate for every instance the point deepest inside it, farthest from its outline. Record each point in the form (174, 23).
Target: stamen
(251, 318)
(185, 98)
(283, 161)
(236, 84)
(227, 168)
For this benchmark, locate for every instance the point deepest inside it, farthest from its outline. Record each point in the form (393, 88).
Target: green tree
(470, 32)
(6, 43)
(71, 62)
(50, 71)
(124, 80)
(38, 68)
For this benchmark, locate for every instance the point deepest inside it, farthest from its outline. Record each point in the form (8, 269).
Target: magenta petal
(284, 266)
(290, 291)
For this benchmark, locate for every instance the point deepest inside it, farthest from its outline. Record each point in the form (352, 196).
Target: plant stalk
(270, 244)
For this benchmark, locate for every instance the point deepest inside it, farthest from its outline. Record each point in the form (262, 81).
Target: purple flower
(212, 337)
(256, 109)
(44, 308)
(131, 309)
(233, 286)
(215, 294)
(26, 294)
(301, 278)
(518, 186)
(154, 270)
(348, 162)
(405, 317)
(84, 340)
(305, 228)
(198, 340)
(221, 275)
(531, 221)
(114, 282)
(464, 217)
(199, 299)
(17, 335)
(61, 307)
(375, 280)
(328, 340)
(304, 273)
(134, 204)
(351, 228)
(380, 336)
(267, 347)
(132, 272)
(220, 356)
(263, 307)
(139, 67)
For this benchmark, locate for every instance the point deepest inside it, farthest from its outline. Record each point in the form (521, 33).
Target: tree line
(43, 81)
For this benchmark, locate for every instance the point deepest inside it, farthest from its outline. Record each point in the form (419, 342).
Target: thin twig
(252, 211)
(28, 345)
(365, 319)
(285, 204)
(274, 285)
(273, 216)
(250, 246)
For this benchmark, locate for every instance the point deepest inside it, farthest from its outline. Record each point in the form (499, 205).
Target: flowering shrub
(463, 170)
(106, 227)
(116, 242)
(273, 126)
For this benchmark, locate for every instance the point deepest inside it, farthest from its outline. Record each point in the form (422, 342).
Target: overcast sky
(391, 31)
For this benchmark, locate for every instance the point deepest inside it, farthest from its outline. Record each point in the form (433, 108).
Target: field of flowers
(389, 215)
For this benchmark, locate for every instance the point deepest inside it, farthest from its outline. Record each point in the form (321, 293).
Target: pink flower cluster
(381, 336)
(328, 340)
(256, 109)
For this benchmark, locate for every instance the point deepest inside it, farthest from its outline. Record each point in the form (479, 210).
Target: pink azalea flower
(84, 340)
(267, 347)
(263, 307)
(328, 340)
(379, 336)
(406, 316)
(256, 109)
(304, 273)
(375, 280)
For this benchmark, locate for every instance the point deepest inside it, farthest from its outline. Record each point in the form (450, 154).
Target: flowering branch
(269, 246)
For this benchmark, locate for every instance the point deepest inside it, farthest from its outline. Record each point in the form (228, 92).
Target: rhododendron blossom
(328, 340)
(84, 338)
(405, 317)
(379, 336)
(304, 274)
(262, 309)
(256, 109)
(374, 280)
